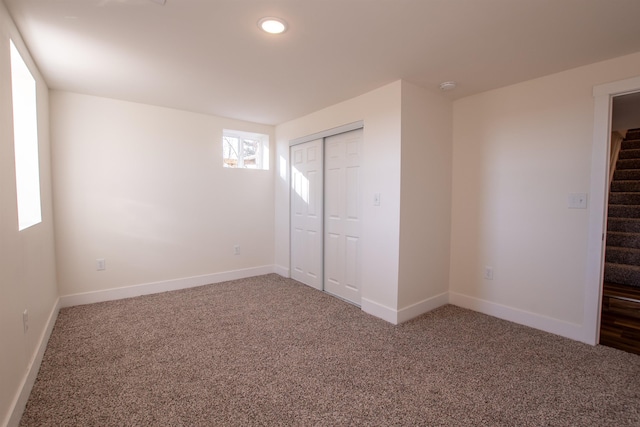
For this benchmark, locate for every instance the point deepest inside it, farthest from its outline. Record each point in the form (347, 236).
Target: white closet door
(306, 213)
(343, 212)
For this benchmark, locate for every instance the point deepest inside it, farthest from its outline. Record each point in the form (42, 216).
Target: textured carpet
(270, 351)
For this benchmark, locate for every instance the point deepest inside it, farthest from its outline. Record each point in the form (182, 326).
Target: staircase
(620, 325)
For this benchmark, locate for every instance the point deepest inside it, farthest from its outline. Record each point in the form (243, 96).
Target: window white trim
(260, 157)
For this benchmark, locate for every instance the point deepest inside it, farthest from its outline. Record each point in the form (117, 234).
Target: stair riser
(616, 198)
(618, 274)
(624, 240)
(632, 141)
(624, 225)
(620, 256)
(629, 154)
(625, 186)
(621, 211)
(630, 144)
(628, 174)
(628, 164)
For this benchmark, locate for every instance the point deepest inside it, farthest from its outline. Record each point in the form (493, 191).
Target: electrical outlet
(101, 264)
(236, 250)
(25, 320)
(488, 273)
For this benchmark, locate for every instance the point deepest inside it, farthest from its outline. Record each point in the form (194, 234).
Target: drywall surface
(425, 207)
(144, 188)
(626, 112)
(27, 257)
(518, 152)
(380, 111)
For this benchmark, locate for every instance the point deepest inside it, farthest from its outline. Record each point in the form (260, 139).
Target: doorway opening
(620, 312)
(600, 157)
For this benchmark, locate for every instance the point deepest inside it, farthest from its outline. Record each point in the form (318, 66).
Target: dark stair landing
(620, 321)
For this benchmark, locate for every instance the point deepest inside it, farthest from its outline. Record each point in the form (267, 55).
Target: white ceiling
(209, 56)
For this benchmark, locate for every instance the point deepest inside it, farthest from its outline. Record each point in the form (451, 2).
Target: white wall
(380, 111)
(27, 258)
(518, 152)
(425, 208)
(626, 112)
(144, 188)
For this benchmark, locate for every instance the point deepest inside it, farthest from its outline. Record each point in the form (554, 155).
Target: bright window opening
(245, 150)
(25, 140)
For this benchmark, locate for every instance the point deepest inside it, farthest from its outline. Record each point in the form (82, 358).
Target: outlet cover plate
(577, 201)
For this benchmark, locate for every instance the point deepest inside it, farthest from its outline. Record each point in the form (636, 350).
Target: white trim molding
(281, 270)
(421, 307)
(378, 310)
(163, 286)
(555, 326)
(404, 314)
(326, 133)
(22, 396)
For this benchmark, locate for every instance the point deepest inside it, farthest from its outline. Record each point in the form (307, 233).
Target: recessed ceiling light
(272, 25)
(447, 85)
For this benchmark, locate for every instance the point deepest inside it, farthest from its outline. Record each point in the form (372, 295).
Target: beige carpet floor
(270, 351)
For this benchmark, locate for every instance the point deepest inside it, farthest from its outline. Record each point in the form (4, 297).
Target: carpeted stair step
(625, 185)
(628, 164)
(630, 144)
(626, 174)
(624, 198)
(624, 211)
(618, 255)
(622, 274)
(625, 240)
(633, 133)
(627, 225)
(629, 153)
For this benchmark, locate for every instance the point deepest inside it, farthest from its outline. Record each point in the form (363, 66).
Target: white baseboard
(21, 398)
(378, 310)
(282, 271)
(164, 286)
(548, 324)
(399, 316)
(421, 307)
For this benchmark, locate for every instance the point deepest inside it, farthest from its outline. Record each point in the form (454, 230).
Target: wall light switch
(376, 199)
(25, 320)
(577, 201)
(101, 264)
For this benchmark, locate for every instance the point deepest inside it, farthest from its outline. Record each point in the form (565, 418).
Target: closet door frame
(319, 135)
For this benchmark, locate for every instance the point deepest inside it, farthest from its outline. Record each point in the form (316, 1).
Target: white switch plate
(25, 320)
(101, 264)
(577, 201)
(376, 199)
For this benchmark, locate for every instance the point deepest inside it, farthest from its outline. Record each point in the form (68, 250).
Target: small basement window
(246, 150)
